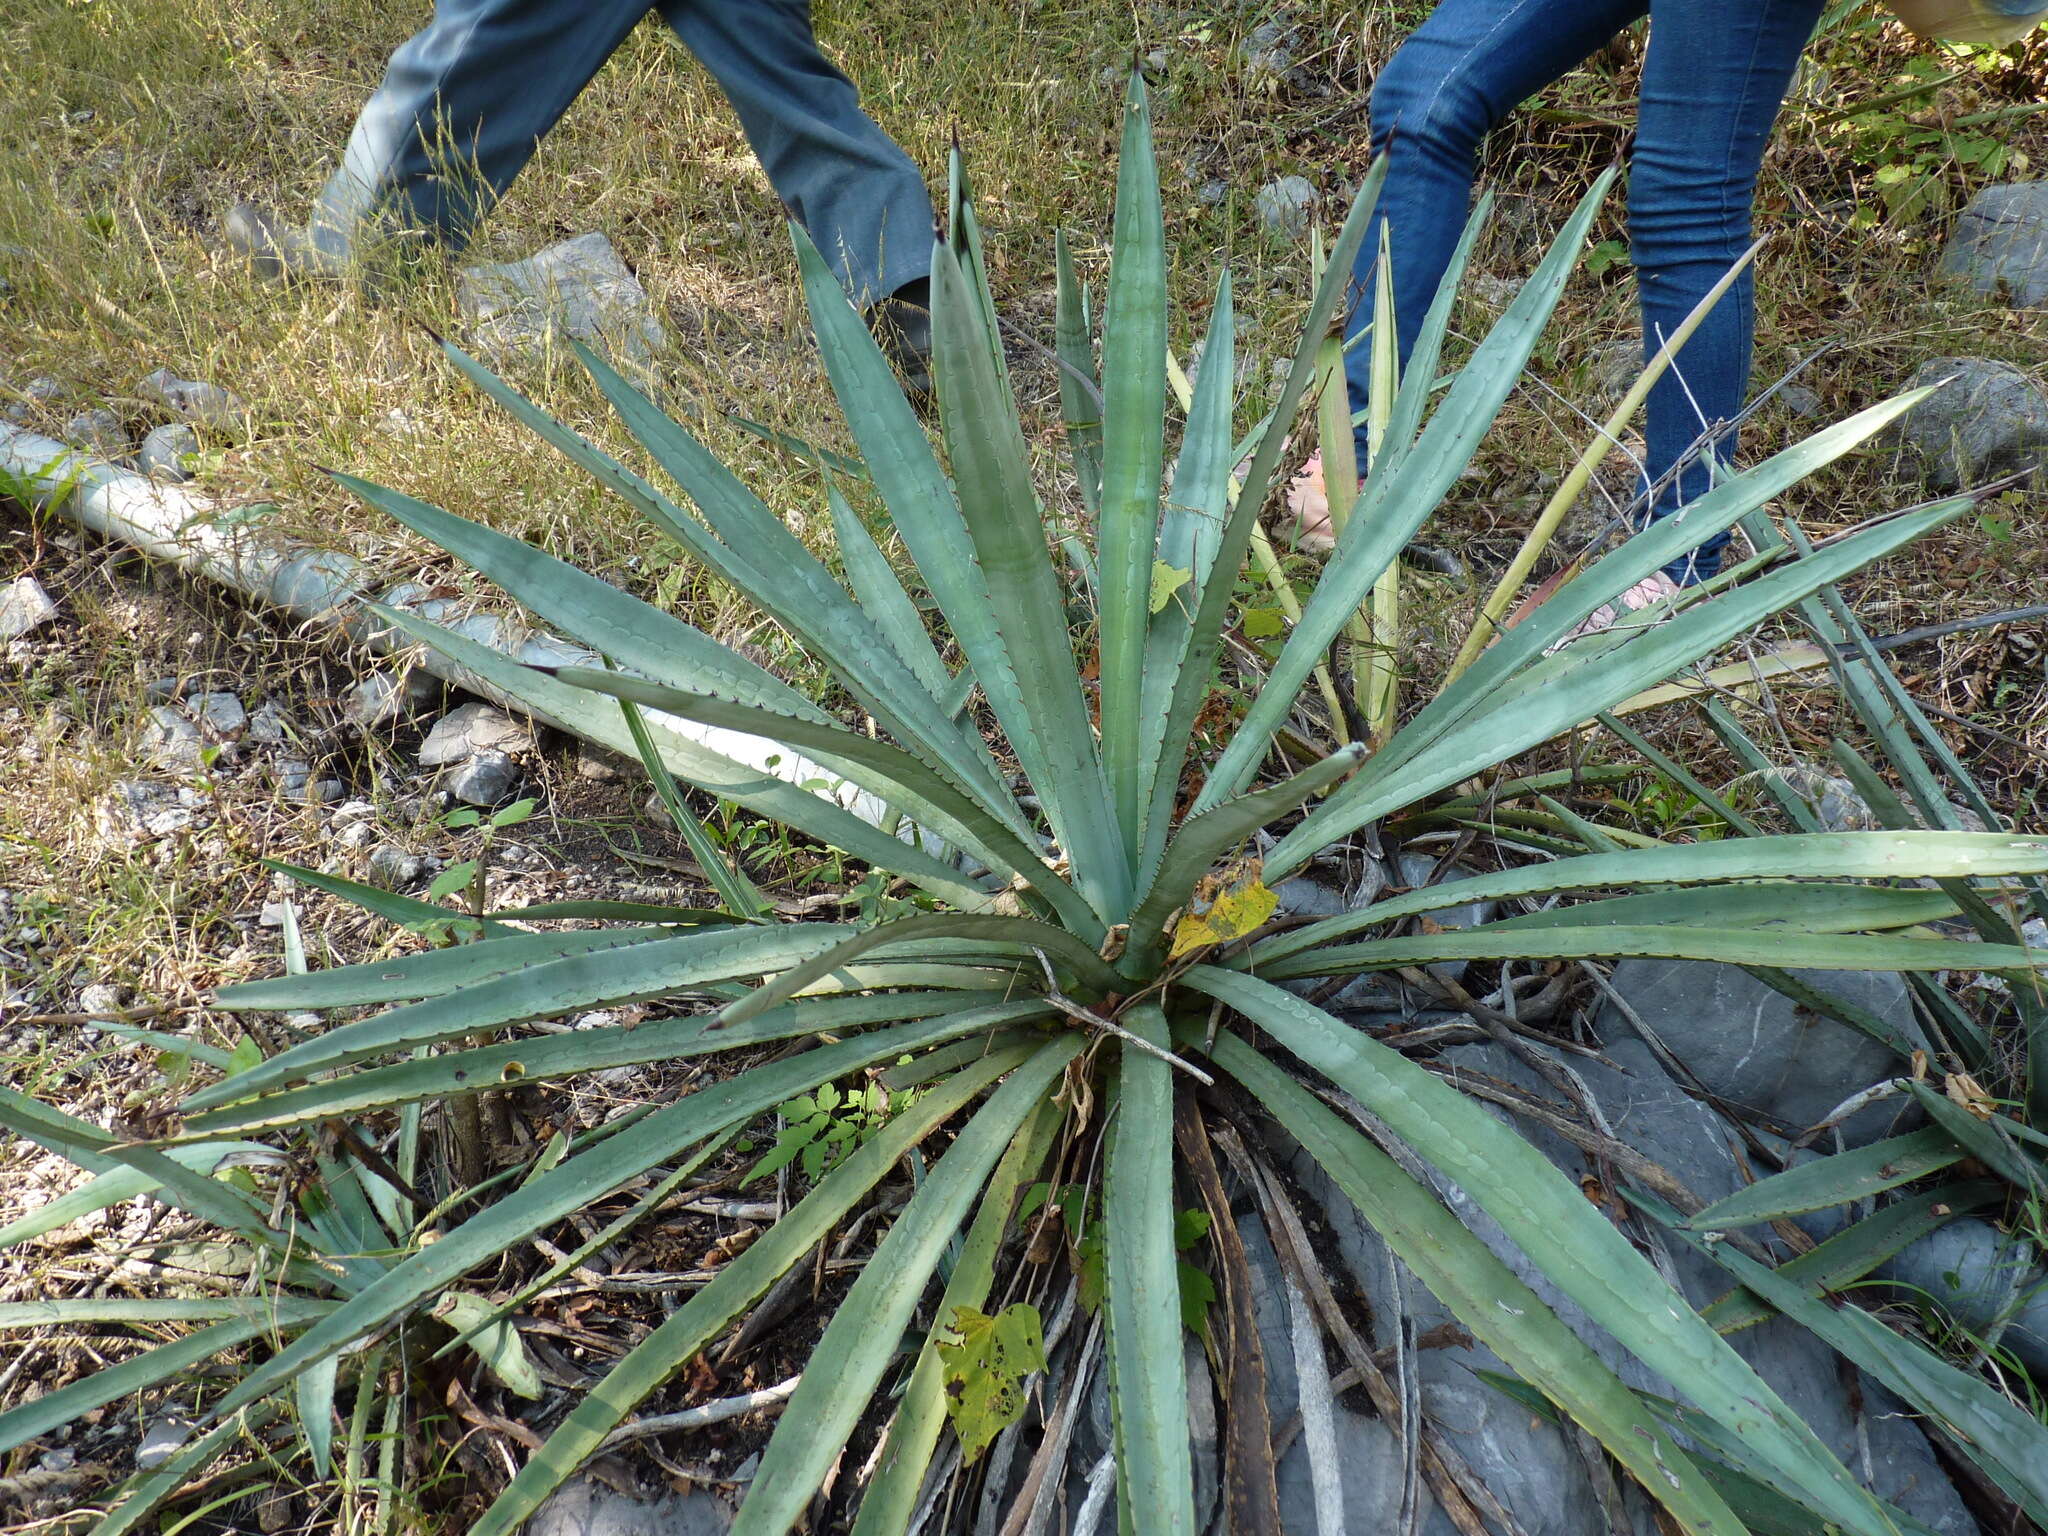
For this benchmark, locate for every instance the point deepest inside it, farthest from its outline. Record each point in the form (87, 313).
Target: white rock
(1285, 206)
(24, 605)
(220, 714)
(97, 431)
(195, 399)
(577, 287)
(474, 728)
(163, 451)
(101, 998)
(266, 725)
(171, 739)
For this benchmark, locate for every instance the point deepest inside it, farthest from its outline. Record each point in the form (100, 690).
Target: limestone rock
(463, 733)
(1988, 419)
(2000, 247)
(1756, 1047)
(1285, 206)
(577, 287)
(24, 606)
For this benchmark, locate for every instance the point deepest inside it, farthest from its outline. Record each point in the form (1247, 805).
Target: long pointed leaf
(1052, 737)
(903, 776)
(1836, 855)
(576, 1182)
(1141, 1295)
(1133, 441)
(860, 1342)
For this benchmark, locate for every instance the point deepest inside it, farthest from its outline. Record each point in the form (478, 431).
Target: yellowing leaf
(1261, 623)
(1236, 912)
(987, 1361)
(1167, 580)
(1967, 1093)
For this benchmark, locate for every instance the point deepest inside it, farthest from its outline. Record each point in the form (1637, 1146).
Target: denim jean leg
(462, 106)
(1448, 85)
(858, 195)
(1713, 82)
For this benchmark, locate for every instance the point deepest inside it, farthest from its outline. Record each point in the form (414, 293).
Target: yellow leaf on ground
(1234, 913)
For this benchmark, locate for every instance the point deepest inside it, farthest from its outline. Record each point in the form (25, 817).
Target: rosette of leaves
(1093, 947)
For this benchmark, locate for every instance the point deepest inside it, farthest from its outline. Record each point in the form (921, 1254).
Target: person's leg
(461, 108)
(858, 194)
(1454, 79)
(1713, 82)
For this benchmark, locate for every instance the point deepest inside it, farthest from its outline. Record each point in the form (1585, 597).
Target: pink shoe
(1655, 588)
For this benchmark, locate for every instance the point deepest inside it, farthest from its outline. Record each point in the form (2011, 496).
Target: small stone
(102, 999)
(195, 400)
(135, 810)
(1988, 419)
(1801, 401)
(162, 456)
(357, 834)
(1612, 367)
(2000, 247)
(37, 393)
(161, 1440)
(1267, 58)
(171, 739)
(596, 767)
(578, 287)
(1212, 192)
(221, 715)
(585, 1507)
(394, 868)
(486, 779)
(379, 699)
(99, 431)
(325, 791)
(293, 775)
(397, 422)
(355, 810)
(266, 725)
(273, 914)
(162, 690)
(1285, 206)
(24, 606)
(474, 728)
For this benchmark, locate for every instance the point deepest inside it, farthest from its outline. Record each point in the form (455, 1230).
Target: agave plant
(1093, 856)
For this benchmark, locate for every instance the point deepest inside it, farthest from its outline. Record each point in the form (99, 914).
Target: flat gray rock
(1755, 1047)
(24, 606)
(1988, 419)
(462, 733)
(1524, 1460)
(163, 451)
(1990, 1281)
(1285, 206)
(195, 400)
(577, 287)
(2000, 247)
(586, 1508)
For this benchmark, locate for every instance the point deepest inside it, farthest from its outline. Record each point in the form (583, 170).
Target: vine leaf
(987, 1360)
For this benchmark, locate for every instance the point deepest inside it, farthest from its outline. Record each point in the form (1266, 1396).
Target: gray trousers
(465, 102)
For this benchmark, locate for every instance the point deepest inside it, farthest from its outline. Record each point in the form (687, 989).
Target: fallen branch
(716, 1412)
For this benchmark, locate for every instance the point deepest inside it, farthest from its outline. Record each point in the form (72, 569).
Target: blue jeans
(466, 100)
(1713, 81)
